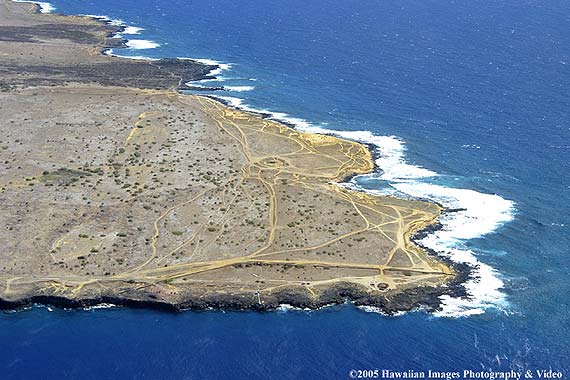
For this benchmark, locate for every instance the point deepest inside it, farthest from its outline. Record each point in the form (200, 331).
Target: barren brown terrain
(116, 188)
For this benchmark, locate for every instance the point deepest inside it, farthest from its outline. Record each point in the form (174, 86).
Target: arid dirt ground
(116, 187)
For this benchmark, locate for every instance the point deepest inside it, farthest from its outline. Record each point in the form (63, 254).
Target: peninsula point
(117, 187)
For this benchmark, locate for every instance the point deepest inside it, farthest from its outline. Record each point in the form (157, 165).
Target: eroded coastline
(304, 241)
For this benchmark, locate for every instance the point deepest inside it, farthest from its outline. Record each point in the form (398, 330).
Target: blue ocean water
(468, 103)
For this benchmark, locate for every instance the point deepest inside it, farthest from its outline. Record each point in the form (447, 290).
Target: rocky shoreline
(424, 298)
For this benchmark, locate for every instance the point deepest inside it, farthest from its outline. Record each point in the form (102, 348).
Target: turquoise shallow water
(476, 93)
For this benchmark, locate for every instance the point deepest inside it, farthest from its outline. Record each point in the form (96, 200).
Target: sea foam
(141, 44)
(100, 306)
(112, 53)
(126, 30)
(476, 215)
(206, 61)
(132, 30)
(221, 66)
(239, 88)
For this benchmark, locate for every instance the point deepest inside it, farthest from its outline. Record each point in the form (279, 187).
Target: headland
(116, 188)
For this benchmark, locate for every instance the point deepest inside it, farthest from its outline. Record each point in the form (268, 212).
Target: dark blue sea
(467, 104)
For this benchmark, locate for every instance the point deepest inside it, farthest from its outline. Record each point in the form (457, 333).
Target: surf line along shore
(119, 189)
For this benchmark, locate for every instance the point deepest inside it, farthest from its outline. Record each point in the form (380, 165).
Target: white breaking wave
(285, 307)
(196, 84)
(377, 310)
(236, 103)
(192, 84)
(44, 6)
(111, 52)
(477, 214)
(132, 30)
(301, 124)
(206, 61)
(239, 88)
(141, 44)
(215, 72)
(127, 29)
(100, 306)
